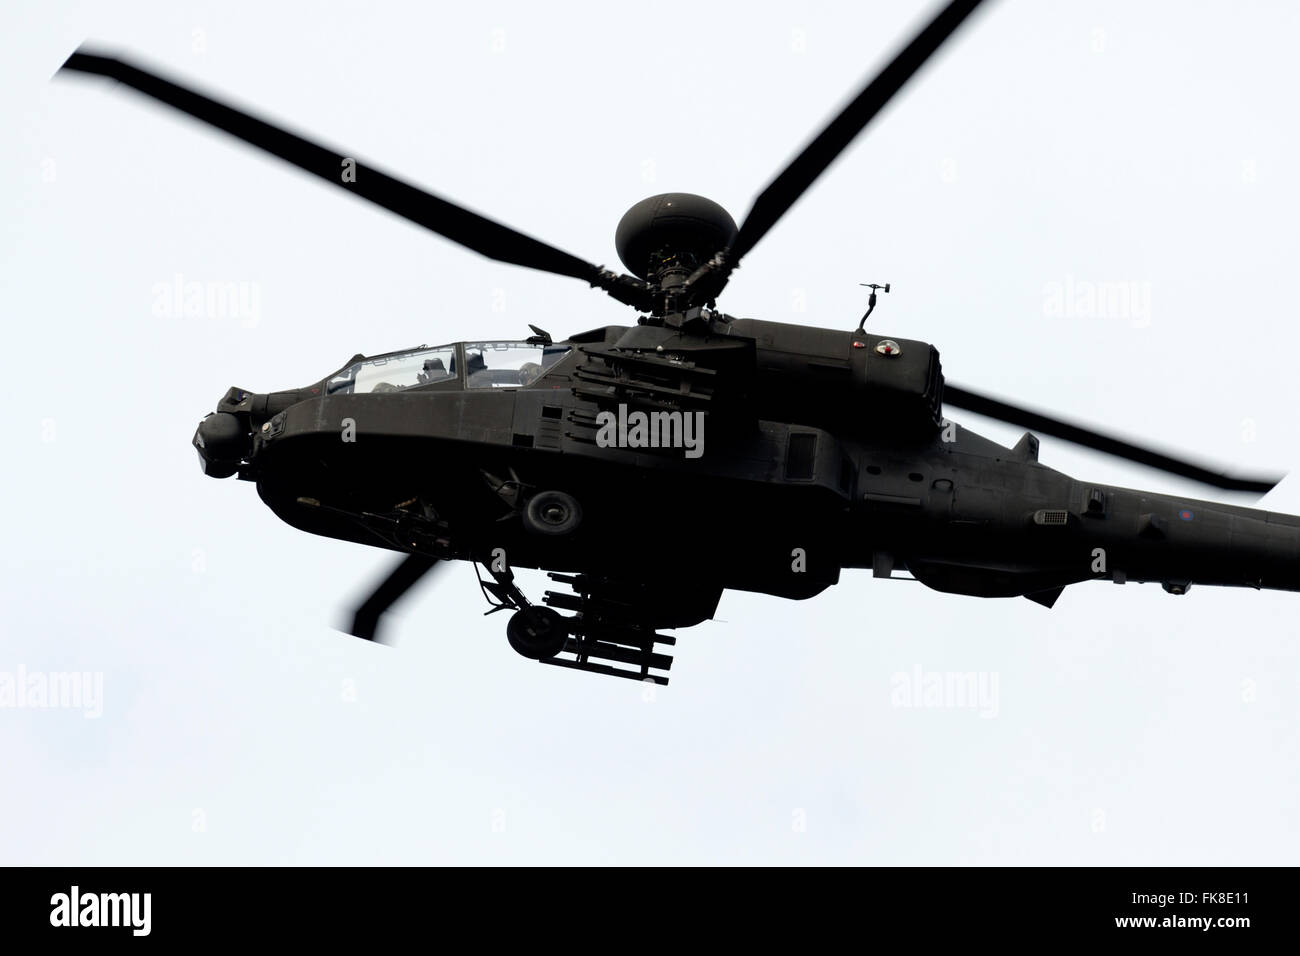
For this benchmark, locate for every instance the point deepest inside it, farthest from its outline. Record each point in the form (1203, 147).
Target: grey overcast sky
(1145, 147)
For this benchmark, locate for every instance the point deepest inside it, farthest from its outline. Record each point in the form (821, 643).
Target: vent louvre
(1052, 517)
(801, 456)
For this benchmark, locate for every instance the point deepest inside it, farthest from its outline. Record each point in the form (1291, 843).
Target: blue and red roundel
(1186, 514)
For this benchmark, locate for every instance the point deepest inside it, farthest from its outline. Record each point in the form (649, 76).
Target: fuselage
(787, 455)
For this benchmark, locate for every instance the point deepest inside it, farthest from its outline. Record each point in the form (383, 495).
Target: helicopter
(648, 467)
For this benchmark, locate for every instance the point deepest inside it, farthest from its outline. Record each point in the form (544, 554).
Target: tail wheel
(537, 632)
(552, 513)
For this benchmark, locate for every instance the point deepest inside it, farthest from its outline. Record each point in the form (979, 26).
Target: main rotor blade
(483, 235)
(794, 180)
(365, 623)
(960, 397)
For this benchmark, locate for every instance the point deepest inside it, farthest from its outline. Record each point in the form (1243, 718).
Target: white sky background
(1152, 143)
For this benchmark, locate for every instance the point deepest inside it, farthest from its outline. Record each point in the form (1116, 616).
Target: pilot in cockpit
(474, 364)
(433, 371)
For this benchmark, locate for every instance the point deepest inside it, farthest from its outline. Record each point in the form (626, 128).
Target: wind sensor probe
(871, 303)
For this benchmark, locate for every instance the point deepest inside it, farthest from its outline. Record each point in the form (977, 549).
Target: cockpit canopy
(466, 364)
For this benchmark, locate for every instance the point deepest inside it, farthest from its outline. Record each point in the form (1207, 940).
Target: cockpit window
(392, 373)
(508, 364)
(487, 365)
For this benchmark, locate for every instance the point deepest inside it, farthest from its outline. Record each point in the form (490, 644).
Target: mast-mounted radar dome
(670, 229)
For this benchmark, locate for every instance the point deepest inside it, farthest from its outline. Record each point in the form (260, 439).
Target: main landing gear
(535, 631)
(600, 630)
(604, 628)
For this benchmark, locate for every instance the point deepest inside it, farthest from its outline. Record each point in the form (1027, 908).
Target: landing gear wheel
(552, 513)
(537, 632)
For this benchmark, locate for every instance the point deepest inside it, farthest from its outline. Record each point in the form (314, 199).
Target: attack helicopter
(648, 467)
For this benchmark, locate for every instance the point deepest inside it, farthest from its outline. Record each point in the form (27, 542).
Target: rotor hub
(668, 236)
